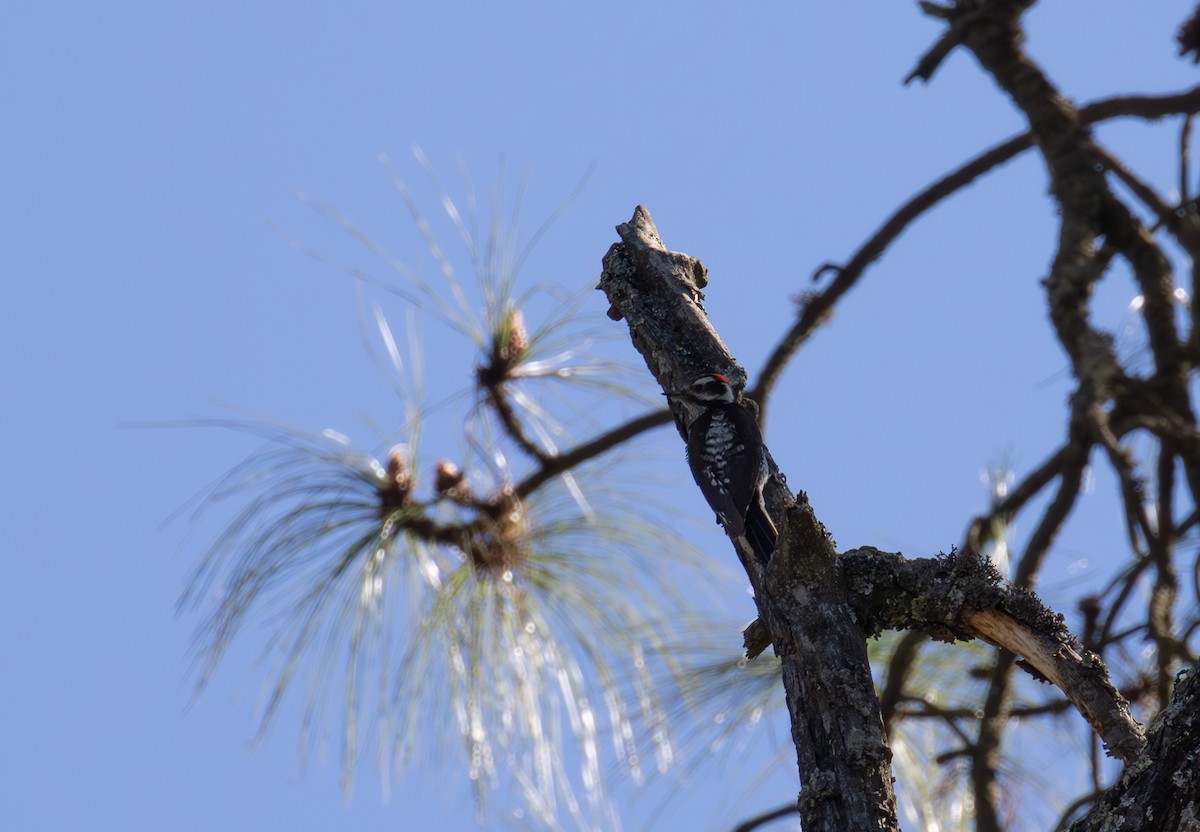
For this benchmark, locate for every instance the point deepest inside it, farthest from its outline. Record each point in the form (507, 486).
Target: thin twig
(1070, 484)
(1126, 584)
(928, 711)
(1136, 517)
(899, 666)
(1031, 486)
(1185, 154)
(512, 425)
(816, 309)
(553, 466)
(985, 758)
(787, 810)
(1164, 212)
(985, 753)
(1161, 548)
(1064, 820)
(1186, 524)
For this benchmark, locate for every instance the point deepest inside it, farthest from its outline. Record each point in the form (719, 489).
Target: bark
(959, 597)
(1160, 788)
(841, 751)
(817, 608)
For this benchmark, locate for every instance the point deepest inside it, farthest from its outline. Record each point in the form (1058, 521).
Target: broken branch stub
(841, 751)
(659, 294)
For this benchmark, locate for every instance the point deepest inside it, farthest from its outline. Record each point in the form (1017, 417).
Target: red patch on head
(720, 378)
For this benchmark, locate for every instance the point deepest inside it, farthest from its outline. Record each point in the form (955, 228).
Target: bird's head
(710, 388)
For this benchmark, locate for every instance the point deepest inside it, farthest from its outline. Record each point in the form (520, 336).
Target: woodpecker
(728, 459)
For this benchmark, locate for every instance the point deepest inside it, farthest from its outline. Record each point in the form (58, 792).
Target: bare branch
(913, 708)
(1070, 484)
(553, 466)
(1160, 788)
(841, 750)
(817, 308)
(1189, 37)
(785, 811)
(1033, 483)
(902, 661)
(1164, 213)
(498, 399)
(955, 597)
(985, 751)
(1185, 151)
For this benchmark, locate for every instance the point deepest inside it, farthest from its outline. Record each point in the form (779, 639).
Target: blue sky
(153, 151)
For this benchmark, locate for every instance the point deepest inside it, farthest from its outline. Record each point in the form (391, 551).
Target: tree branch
(497, 398)
(1160, 788)
(985, 751)
(898, 668)
(553, 466)
(1033, 483)
(817, 308)
(753, 823)
(816, 608)
(841, 751)
(957, 597)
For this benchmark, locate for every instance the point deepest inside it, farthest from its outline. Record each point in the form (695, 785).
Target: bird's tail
(760, 531)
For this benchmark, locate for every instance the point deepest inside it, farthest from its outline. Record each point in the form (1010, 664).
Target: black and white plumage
(728, 459)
